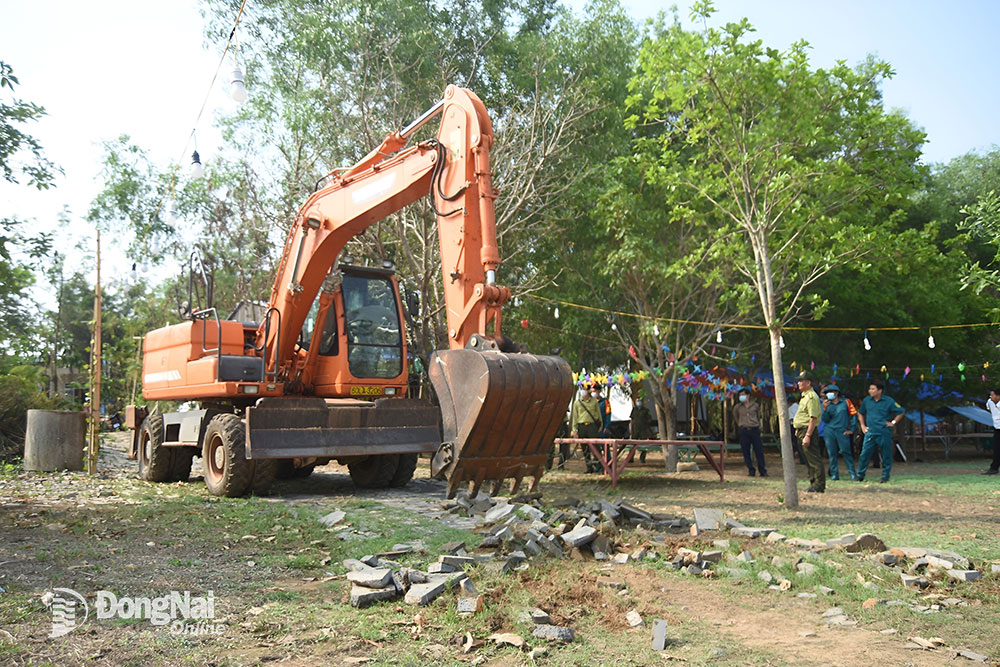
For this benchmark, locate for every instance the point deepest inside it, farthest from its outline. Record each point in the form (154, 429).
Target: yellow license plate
(366, 391)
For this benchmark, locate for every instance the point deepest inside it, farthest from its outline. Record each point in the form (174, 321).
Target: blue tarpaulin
(975, 414)
(914, 416)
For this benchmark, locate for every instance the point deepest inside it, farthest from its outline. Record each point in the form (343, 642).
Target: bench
(616, 454)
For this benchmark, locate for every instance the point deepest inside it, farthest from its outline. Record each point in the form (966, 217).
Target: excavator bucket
(499, 414)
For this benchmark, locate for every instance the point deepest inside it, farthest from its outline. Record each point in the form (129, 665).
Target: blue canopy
(975, 414)
(914, 416)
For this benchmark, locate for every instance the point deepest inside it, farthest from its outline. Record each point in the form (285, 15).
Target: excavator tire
(404, 470)
(181, 469)
(155, 461)
(264, 472)
(285, 469)
(228, 472)
(374, 472)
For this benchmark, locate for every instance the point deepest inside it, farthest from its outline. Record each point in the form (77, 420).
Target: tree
(799, 163)
(18, 250)
(13, 141)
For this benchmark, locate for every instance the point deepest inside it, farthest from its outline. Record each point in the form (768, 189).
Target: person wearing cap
(877, 415)
(838, 424)
(585, 422)
(806, 420)
(747, 414)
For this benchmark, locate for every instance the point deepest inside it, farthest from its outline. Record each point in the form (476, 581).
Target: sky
(111, 67)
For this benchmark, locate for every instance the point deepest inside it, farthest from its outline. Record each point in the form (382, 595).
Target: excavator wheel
(228, 472)
(374, 472)
(181, 468)
(264, 472)
(404, 470)
(285, 469)
(155, 461)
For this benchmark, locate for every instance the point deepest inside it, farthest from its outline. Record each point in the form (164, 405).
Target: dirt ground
(69, 530)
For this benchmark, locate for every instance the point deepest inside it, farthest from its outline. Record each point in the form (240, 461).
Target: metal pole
(95, 370)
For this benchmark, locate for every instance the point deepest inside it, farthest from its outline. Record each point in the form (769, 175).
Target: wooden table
(615, 455)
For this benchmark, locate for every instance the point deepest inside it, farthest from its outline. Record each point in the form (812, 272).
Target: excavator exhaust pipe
(499, 414)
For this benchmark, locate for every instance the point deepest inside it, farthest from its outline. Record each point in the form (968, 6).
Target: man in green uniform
(838, 424)
(805, 422)
(585, 422)
(878, 414)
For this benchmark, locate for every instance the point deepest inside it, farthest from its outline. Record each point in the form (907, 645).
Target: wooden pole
(95, 370)
(725, 427)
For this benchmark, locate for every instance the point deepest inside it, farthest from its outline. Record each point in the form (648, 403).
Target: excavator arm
(455, 170)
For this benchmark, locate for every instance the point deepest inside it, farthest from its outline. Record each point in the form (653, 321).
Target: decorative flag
(524, 323)
(906, 371)
(812, 365)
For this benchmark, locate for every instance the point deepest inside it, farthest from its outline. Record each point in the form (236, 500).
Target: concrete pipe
(54, 440)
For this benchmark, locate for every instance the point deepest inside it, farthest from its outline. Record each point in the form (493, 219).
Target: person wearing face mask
(747, 414)
(639, 426)
(838, 425)
(585, 422)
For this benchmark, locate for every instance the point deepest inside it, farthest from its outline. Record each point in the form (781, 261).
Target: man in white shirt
(993, 405)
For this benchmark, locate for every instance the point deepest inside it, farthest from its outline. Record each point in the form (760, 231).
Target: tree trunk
(784, 426)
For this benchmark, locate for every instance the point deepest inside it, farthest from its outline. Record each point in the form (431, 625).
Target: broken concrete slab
(744, 557)
(765, 576)
(371, 577)
(580, 536)
(708, 518)
(441, 568)
(467, 589)
(424, 594)
(659, 634)
(886, 558)
(775, 537)
(370, 561)
(354, 565)
(458, 562)
(724, 544)
(825, 590)
(530, 513)
(913, 581)
(362, 596)
(532, 548)
(964, 575)
(470, 605)
(620, 559)
(554, 633)
(453, 547)
(712, 556)
(633, 512)
(958, 561)
(500, 512)
(634, 618)
(332, 519)
(614, 584)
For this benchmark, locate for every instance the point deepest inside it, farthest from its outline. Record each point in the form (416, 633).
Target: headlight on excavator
(249, 389)
(390, 391)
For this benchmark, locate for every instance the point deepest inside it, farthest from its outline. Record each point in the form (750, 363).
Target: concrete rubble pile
(517, 530)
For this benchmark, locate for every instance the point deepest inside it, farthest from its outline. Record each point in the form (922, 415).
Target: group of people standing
(876, 416)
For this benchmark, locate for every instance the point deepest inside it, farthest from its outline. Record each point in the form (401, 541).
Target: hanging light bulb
(171, 216)
(781, 342)
(133, 276)
(614, 327)
(656, 328)
(236, 89)
(517, 301)
(930, 341)
(718, 336)
(556, 312)
(197, 170)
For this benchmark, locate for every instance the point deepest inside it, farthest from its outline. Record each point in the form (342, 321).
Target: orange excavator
(323, 375)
